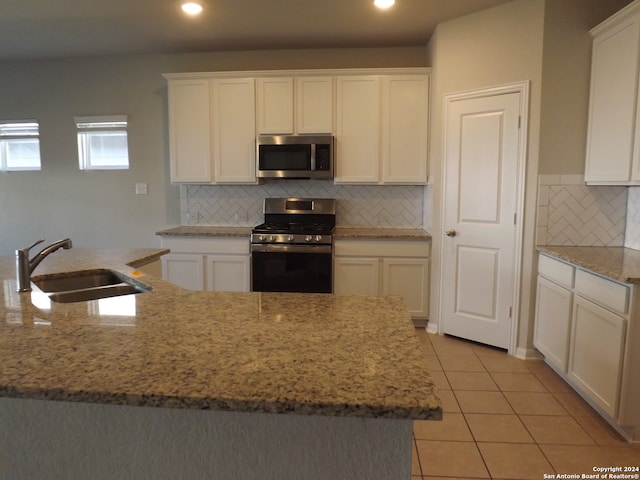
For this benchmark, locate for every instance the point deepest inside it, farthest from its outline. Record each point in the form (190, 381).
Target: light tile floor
(508, 418)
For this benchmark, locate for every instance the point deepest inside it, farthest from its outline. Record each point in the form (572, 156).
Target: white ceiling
(60, 28)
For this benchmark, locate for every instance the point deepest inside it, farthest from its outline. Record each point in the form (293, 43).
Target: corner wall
(494, 47)
(547, 43)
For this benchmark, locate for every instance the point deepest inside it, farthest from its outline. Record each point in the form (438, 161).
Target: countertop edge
(617, 263)
(141, 262)
(434, 412)
(341, 233)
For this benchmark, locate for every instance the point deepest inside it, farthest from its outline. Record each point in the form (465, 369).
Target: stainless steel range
(292, 251)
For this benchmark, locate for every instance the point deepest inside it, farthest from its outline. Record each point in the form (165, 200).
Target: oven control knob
(290, 238)
(271, 238)
(261, 238)
(307, 238)
(317, 238)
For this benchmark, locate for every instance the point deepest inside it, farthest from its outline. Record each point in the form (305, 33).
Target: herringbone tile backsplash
(632, 234)
(572, 213)
(357, 206)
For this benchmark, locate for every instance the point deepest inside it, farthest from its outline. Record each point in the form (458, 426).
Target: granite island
(179, 384)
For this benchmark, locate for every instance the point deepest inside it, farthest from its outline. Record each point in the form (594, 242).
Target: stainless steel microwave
(295, 156)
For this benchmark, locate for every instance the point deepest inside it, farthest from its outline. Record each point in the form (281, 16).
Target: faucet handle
(26, 250)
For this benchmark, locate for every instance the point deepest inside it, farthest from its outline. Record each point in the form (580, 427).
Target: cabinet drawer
(556, 270)
(607, 293)
(382, 248)
(211, 245)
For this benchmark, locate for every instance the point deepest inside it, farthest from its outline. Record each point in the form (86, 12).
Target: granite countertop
(382, 233)
(618, 263)
(204, 231)
(340, 233)
(247, 352)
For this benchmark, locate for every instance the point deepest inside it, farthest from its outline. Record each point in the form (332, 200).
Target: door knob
(450, 233)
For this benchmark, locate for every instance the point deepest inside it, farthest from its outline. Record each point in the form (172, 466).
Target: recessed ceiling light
(192, 7)
(384, 3)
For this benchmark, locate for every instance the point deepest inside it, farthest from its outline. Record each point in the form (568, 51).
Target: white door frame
(523, 89)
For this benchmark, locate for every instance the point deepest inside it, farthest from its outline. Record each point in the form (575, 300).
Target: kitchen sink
(86, 286)
(79, 280)
(96, 293)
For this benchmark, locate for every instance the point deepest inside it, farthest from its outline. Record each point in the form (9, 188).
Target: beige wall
(565, 81)
(545, 42)
(495, 47)
(100, 209)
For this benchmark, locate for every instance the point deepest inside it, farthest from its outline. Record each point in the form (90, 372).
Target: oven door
(292, 268)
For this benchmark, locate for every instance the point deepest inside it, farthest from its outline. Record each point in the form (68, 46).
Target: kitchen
(521, 40)
(57, 90)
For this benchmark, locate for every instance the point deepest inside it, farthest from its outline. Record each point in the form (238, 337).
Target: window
(102, 142)
(19, 145)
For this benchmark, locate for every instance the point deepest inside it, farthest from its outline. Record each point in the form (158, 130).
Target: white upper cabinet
(212, 130)
(379, 118)
(613, 141)
(234, 131)
(405, 127)
(189, 127)
(294, 105)
(358, 129)
(382, 129)
(314, 105)
(275, 105)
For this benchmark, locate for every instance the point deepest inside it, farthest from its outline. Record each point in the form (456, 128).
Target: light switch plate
(142, 189)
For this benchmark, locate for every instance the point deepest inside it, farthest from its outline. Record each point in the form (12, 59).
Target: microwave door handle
(313, 157)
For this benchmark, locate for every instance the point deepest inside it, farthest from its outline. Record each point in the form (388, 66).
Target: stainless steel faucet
(25, 266)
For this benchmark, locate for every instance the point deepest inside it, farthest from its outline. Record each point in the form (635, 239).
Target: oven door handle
(271, 248)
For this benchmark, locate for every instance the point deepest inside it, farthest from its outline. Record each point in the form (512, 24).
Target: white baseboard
(528, 354)
(432, 328)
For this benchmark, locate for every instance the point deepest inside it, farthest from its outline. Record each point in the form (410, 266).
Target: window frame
(6, 138)
(85, 126)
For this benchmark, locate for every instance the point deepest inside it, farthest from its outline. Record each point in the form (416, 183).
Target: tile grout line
(536, 374)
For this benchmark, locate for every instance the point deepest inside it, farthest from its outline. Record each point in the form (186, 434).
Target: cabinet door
(275, 105)
(183, 269)
(358, 129)
(234, 131)
(408, 277)
(314, 105)
(405, 127)
(228, 273)
(596, 353)
(552, 322)
(356, 275)
(612, 107)
(189, 127)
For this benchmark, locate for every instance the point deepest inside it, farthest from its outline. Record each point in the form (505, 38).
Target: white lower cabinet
(357, 275)
(214, 264)
(230, 273)
(584, 326)
(553, 320)
(597, 345)
(385, 267)
(184, 269)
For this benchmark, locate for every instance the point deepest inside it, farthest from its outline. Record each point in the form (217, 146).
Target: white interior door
(482, 158)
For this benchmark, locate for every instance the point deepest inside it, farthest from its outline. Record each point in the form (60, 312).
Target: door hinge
(510, 311)
(519, 121)
(515, 218)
